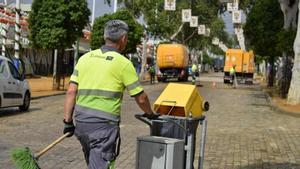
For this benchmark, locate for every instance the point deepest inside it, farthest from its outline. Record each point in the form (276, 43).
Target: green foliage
(207, 14)
(23, 159)
(263, 23)
(164, 24)
(216, 50)
(286, 40)
(207, 59)
(57, 23)
(246, 5)
(134, 35)
(259, 59)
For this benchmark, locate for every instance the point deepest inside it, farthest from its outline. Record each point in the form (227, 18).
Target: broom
(25, 159)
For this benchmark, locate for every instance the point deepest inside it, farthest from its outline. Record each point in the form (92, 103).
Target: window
(15, 73)
(3, 70)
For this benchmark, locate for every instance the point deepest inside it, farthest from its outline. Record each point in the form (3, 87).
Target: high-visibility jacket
(194, 68)
(151, 69)
(102, 79)
(232, 71)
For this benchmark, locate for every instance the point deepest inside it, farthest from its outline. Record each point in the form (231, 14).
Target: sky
(227, 17)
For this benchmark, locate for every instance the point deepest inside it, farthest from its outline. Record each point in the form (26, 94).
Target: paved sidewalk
(42, 87)
(243, 132)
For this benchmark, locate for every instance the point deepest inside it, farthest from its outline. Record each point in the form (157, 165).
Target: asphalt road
(243, 131)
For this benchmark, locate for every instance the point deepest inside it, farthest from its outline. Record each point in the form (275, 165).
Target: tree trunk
(271, 72)
(59, 70)
(289, 12)
(294, 91)
(284, 74)
(144, 57)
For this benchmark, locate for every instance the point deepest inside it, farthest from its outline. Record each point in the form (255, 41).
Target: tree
(286, 38)
(164, 24)
(56, 24)
(134, 35)
(284, 72)
(263, 23)
(294, 91)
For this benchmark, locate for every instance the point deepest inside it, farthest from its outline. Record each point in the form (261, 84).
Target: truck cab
(14, 89)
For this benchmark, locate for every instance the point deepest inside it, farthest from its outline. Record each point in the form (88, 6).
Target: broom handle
(39, 154)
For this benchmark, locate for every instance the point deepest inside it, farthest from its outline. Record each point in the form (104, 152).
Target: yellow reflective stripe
(97, 113)
(97, 92)
(133, 85)
(75, 72)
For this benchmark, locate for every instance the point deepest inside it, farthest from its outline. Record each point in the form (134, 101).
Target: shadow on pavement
(272, 166)
(261, 96)
(14, 111)
(260, 105)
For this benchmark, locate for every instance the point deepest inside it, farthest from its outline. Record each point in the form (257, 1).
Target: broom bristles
(23, 159)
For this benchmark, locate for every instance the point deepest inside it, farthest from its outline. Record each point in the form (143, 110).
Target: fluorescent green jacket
(102, 79)
(194, 68)
(232, 71)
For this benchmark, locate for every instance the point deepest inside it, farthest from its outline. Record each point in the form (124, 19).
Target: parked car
(14, 89)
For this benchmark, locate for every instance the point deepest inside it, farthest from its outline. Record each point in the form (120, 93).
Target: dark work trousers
(100, 143)
(152, 78)
(232, 78)
(193, 77)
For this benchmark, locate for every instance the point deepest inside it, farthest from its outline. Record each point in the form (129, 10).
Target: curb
(276, 108)
(40, 97)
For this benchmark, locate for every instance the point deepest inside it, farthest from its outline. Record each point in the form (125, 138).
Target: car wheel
(26, 102)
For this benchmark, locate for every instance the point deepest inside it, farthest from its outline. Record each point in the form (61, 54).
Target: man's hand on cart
(151, 116)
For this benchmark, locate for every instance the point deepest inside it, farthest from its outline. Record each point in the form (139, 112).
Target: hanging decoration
(201, 30)
(194, 21)
(186, 15)
(236, 17)
(170, 5)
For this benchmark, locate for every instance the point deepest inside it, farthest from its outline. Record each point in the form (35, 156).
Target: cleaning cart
(172, 140)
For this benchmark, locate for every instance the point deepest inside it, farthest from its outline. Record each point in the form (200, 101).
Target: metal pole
(93, 12)
(115, 5)
(203, 124)
(17, 30)
(189, 150)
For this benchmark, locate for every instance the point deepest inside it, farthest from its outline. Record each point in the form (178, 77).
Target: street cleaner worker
(194, 70)
(95, 95)
(233, 75)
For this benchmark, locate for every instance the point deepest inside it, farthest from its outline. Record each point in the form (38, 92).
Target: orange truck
(172, 61)
(244, 62)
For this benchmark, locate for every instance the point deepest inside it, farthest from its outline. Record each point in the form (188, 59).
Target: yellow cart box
(179, 100)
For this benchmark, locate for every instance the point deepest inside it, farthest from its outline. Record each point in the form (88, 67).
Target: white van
(14, 89)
